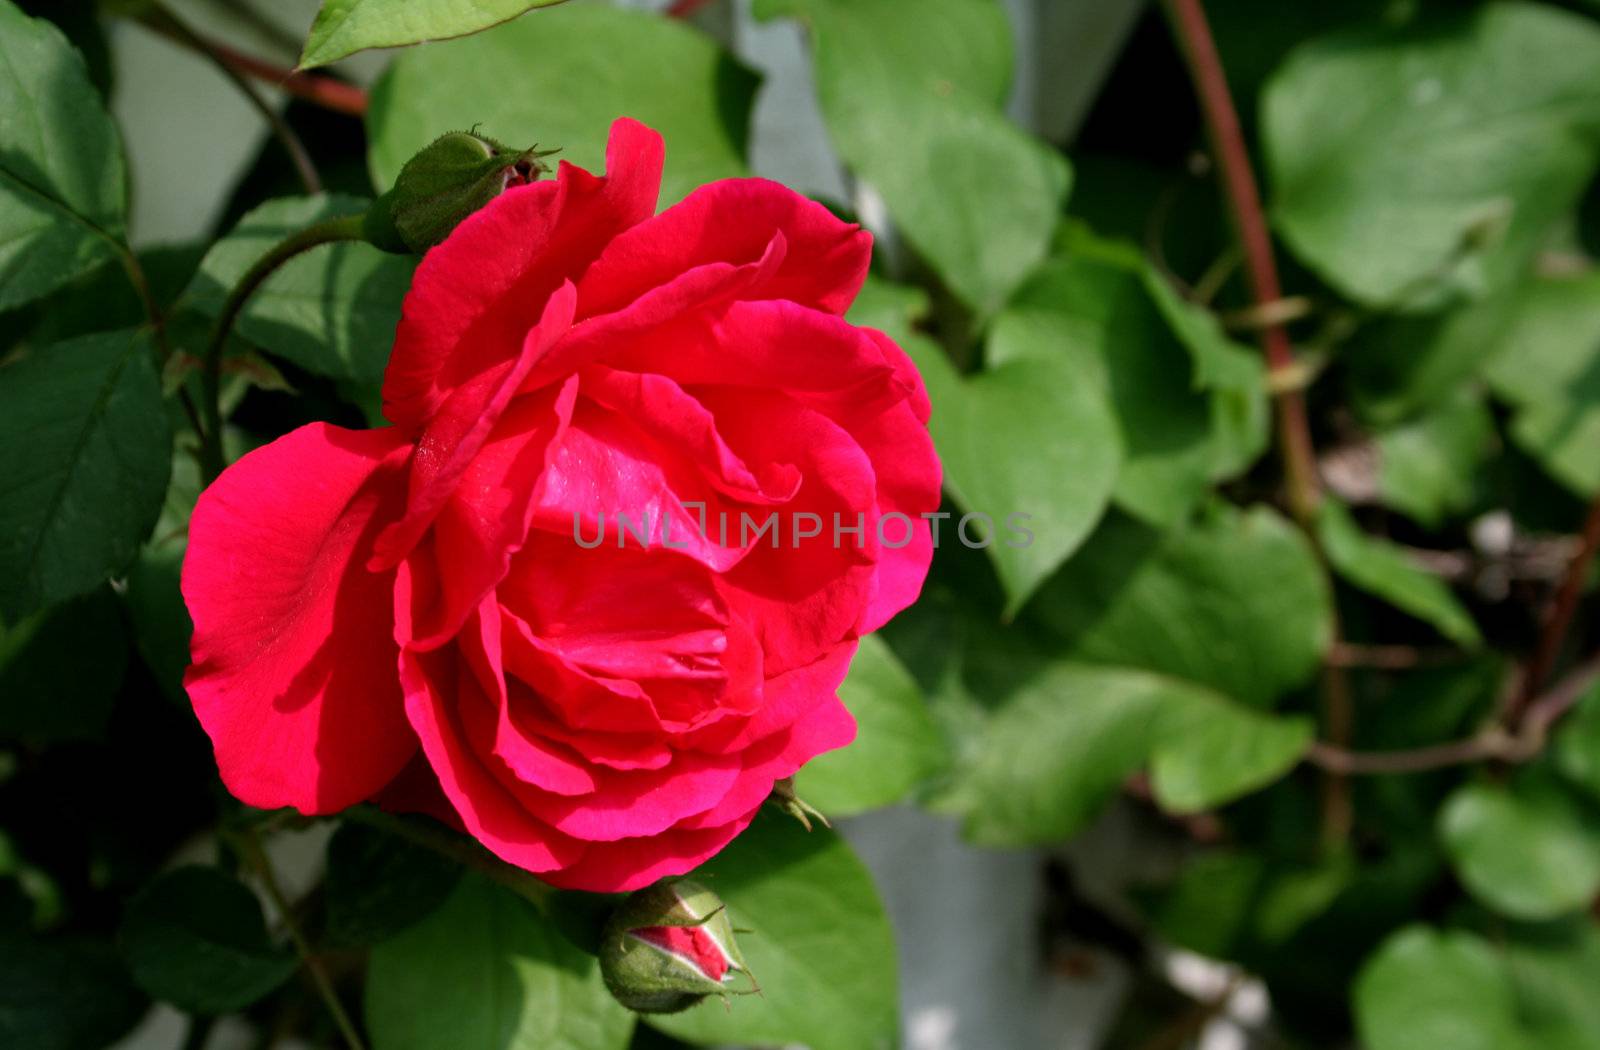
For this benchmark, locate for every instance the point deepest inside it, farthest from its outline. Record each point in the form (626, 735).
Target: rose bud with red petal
(668, 947)
(451, 178)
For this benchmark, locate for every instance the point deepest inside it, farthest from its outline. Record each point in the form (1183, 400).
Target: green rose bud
(450, 179)
(669, 946)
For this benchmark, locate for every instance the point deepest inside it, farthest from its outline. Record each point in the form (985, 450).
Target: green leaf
(1576, 747)
(1099, 308)
(1530, 850)
(60, 671)
(1226, 902)
(85, 435)
(1555, 969)
(897, 744)
(332, 310)
(1063, 743)
(66, 994)
(195, 938)
(1547, 366)
(559, 79)
(1431, 990)
(1234, 601)
(157, 613)
(1404, 365)
(1434, 156)
(153, 595)
(1207, 908)
(487, 971)
(820, 946)
(63, 194)
(1030, 438)
(1529, 988)
(344, 27)
(378, 885)
(1231, 373)
(1208, 751)
(970, 191)
(1381, 569)
(1427, 468)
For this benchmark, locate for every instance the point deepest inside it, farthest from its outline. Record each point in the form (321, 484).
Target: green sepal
(451, 178)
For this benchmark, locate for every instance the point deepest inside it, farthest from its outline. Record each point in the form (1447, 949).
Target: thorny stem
(345, 228)
(1189, 25)
(249, 842)
(169, 25)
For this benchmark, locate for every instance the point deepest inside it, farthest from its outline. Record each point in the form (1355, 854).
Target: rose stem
(1193, 33)
(345, 228)
(328, 92)
(250, 846)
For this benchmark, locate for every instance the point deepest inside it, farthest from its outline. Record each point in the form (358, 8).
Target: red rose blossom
(416, 599)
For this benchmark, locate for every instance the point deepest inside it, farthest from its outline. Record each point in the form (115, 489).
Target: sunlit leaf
(63, 192)
(559, 78)
(344, 27)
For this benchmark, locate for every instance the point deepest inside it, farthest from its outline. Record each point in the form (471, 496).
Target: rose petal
(825, 726)
(475, 296)
(487, 810)
(653, 319)
(820, 360)
(907, 471)
(487, 703)
(665, 412)
(787, 698)
(630, 864)
(453, 438)
(732, 221)
(486, 519)
(609, 484)
(294, 658)
(805, 594)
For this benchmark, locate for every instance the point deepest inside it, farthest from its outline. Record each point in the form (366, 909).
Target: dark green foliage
(1163, 651)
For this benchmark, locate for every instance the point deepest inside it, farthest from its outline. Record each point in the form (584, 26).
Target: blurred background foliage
(1284, 732)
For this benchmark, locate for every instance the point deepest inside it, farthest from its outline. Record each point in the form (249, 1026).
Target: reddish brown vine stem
(1304, 489)
(325, 91)
(1244, 206)
(319, 90)
(1494, 743)
(1559, 619)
